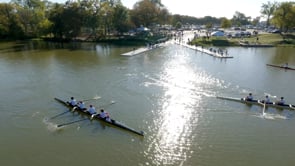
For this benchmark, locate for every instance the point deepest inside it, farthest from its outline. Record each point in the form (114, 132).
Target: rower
(73, 102)
(92, 110)
(266, 100)
(104, 115)
(249, 97)
(281, 102)
(81, 105)
(285, 65)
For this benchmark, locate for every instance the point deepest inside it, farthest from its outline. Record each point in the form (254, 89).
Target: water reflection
(177, 114)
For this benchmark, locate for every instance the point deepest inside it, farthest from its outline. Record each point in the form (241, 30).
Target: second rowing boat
(282, 67)
(259, 102)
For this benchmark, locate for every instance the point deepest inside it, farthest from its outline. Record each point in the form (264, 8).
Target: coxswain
(249, 97)
(81, 105)
(92, 110)
(73, 102)
(108, 118)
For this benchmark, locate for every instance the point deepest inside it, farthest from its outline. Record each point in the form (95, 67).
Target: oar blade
(68, 123)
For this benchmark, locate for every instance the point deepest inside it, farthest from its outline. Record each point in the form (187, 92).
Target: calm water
(169, 93)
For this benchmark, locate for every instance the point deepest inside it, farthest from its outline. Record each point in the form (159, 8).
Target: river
(169, 93)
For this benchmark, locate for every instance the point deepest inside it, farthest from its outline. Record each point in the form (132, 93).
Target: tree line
(21, 19)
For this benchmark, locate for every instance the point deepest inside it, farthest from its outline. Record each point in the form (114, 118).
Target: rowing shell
(258, 102)
(97, 117)
(282, 67)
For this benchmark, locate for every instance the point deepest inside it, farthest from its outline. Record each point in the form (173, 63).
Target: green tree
(144, 13)
(284, 16)
(106, 17)
(9, 22)
(267, 10)
(121, 22)
(31, 14)
(56, 17)
(225, 23)
(5, 17)
(164, 17)
(255, 21)
(209, 25)
(90, 15)
(178, 25)
(240, 19)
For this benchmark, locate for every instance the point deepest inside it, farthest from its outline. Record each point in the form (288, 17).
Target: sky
(201, 8)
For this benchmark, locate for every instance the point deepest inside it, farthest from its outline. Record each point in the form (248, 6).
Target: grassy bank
(267, 38)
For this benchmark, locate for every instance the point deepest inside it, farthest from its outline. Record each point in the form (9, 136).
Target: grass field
(265, 38)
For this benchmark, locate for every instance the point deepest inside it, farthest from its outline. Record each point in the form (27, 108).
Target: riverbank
(121, 40)
(278, 40)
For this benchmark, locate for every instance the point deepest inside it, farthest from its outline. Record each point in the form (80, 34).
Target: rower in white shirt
(81, 105)
(281, 101)
(249, 97)
(102, 114)
(266, 100)
(92, 110)
(73, 102)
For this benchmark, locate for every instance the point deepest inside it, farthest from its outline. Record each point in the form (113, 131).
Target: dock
(136, 51)
(210, 52)
(143, 49)
(246, 44)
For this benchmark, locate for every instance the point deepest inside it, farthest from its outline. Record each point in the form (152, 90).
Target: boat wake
(268, 116)
(52, 127)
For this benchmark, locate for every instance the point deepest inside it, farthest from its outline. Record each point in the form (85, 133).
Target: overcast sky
(215, 8)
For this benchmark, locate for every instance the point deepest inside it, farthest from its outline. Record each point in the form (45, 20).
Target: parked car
(245, 34)
(217, 33)
(275, 31)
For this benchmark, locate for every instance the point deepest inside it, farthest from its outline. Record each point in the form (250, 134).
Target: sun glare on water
(177, 114)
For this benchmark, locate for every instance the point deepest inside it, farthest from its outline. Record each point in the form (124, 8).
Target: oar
(73, 109)
(263, 110)
(68, 123)
(59, 114)
(292, 107)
